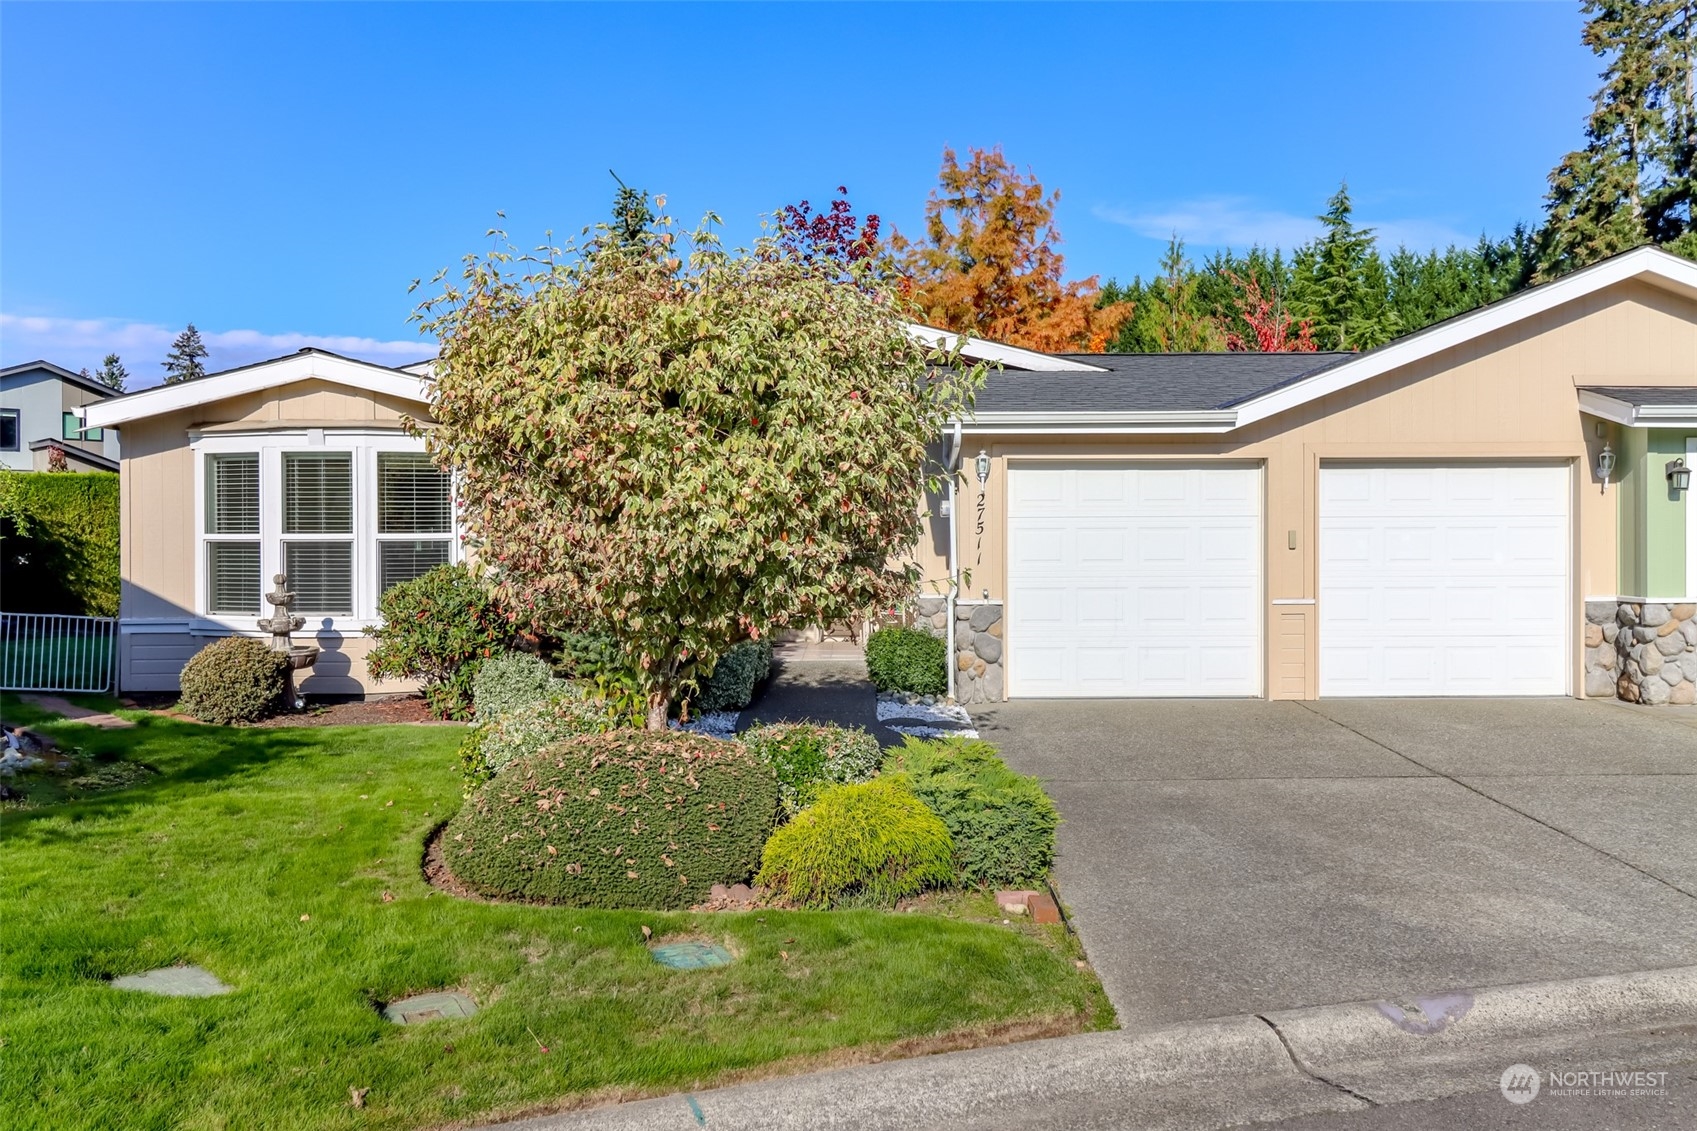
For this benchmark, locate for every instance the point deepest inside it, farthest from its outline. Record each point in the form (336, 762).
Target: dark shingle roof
(1149, 382)
(1636, 395)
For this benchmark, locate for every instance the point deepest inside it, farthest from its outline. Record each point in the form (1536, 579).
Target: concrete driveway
(1231, 857)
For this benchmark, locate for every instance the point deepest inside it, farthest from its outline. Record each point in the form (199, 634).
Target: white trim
(1645, 600)
(1293, 600)
(151, 626)
(305, 366)
(1140, 423)
(1626, 413)
(1690, 521)
(1013, 357)
(1647, 263)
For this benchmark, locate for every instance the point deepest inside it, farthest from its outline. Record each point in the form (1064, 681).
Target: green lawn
(264, 855)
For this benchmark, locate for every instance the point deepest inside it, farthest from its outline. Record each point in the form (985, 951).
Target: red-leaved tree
(1272, 328)
(833, 236)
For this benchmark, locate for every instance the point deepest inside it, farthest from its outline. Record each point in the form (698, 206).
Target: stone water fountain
(280, 624)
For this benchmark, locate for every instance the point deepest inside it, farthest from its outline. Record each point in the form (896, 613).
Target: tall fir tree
(1340, 286)
(112, 373)
(183, 363)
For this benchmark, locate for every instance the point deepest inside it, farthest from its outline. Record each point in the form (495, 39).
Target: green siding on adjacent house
(1652, 516)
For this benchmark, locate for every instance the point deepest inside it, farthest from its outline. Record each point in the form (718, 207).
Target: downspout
(953, 465)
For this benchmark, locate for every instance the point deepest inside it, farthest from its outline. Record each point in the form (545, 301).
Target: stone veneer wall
(978, 644)
(1641, 652)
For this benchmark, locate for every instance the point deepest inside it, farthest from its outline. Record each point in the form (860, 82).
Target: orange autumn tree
(988, 265)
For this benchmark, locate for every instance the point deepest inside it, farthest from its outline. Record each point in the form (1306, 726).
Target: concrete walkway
(1235, 856)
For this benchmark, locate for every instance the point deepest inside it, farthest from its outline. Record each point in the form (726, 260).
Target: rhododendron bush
(683, 445)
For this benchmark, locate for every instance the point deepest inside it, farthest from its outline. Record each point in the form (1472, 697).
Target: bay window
(343, 515)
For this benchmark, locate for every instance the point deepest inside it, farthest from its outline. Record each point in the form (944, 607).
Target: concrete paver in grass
(420, 1008)
(174, 981)
(72, 713)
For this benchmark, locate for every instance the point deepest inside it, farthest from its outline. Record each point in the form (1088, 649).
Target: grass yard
(286, 861)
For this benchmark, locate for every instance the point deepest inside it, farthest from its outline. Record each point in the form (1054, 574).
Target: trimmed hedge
(807, 757)
(906, 659)
(738, 672)
(59, 542)
(872, 842)
(509, 681)
(1002, 822)
(234, 680)
(526, 730)
(631, 818)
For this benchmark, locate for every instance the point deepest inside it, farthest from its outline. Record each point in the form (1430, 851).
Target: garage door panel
(1145, 569)
(1444, 580)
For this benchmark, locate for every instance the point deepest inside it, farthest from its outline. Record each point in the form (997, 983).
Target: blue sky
(278, 174)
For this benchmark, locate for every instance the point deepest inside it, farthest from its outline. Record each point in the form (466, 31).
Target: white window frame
(364, 444)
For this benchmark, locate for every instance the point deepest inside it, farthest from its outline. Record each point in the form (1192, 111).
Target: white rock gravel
(714, 724)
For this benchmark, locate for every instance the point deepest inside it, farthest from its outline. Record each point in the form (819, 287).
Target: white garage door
(1134, 580)
(1444, 580)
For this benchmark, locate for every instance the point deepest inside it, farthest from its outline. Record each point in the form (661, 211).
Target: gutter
(952, 462)
(1132, 423)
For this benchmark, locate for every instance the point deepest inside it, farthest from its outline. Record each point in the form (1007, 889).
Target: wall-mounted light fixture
(1679, 476)
(1605, 464)
(982, 463)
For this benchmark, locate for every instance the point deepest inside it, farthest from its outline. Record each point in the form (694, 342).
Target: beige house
(1496, 505)
(298, 466)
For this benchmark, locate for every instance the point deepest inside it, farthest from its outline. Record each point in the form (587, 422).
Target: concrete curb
(1219, 1073)
(1443, 1044)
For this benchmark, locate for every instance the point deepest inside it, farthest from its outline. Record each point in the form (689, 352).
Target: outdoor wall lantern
(982, 463)
(1605, 464)
(1679, 476)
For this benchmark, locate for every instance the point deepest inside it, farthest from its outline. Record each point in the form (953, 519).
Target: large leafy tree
(684, 445)
(1632, 181)
(988, 263)
(186, 360)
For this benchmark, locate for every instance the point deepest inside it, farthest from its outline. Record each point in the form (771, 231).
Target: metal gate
(50, 652)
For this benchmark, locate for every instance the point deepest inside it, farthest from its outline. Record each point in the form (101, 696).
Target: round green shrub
(738, 672)
(438, 628)
(906, 659)
(234, 680)
(808, 757)
(568, 713)
(509, 681)
(630, 818)
(1002, 823)
(872, 842)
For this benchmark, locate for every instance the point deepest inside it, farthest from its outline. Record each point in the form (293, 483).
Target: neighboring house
(39, 406)
(1426, 518)
(299, 465)
(1496, 505)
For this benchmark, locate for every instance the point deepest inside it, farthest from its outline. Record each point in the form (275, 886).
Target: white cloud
(79, 343)
(1238, 222)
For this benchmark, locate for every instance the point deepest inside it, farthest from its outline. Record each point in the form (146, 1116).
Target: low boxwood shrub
(868, 843)
(234, 680)
(808, 757)
(629, 818)
(512, 680)
(906, 659)
(1002, 823)
(738, 672)
(438, 628)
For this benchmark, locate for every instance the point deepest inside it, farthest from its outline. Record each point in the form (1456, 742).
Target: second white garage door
(1127, 580)
(1444, 580)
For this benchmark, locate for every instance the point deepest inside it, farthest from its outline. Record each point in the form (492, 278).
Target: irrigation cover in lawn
(429, 1007)
(691, 955)
(174, 981)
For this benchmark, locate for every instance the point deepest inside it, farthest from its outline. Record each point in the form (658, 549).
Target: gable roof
(306, 365)
(1223, 392)
(75, 454)
(59, 371)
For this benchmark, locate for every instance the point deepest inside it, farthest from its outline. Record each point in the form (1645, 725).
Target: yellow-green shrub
(873, 840)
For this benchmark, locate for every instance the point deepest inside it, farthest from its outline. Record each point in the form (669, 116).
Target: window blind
(412, 495)
(318, 494)
(399, 561)
(232, 494)
(233, 574)
(321, 574)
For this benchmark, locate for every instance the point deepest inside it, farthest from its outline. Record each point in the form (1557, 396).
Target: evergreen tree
(183, 363)
(632, 215)
(112, 373)
(1167, 315)
(1340, 285)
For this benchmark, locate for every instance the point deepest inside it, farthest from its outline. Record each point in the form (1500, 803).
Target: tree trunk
(658, 703)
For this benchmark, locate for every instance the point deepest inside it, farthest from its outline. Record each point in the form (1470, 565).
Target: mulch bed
(399, 709)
